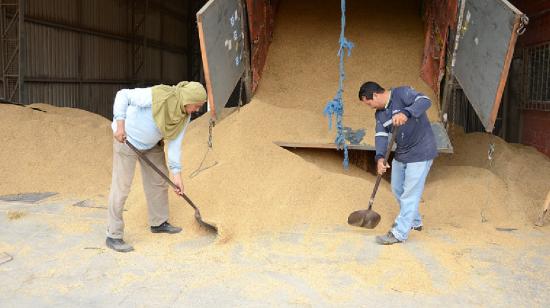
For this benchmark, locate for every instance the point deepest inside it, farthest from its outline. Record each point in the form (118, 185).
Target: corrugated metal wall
(78, 53)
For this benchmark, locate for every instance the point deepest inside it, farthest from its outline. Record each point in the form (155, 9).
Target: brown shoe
(118, 244)
(387, 239)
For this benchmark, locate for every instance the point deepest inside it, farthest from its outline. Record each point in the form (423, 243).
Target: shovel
(198, 217)
(368, 218)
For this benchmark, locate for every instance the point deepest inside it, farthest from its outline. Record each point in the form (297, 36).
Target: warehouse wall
(535, 45)
(78, 53)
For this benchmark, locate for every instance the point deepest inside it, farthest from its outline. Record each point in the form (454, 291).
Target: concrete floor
(73, 268)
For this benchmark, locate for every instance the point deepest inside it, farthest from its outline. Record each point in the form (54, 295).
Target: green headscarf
(168, 105)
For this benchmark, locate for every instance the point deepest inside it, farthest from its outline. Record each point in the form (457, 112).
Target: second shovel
(368, 218)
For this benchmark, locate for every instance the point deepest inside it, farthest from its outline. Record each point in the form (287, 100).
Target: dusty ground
(59, 259)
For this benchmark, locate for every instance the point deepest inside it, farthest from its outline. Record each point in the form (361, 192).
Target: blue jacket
(415, 140)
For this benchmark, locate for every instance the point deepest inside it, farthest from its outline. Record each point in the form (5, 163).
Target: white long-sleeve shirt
(135, 107)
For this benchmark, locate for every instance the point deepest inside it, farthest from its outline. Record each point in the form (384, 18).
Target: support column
(10, 37)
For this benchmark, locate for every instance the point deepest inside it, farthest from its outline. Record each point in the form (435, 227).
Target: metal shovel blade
(364, 218)
(207, 226)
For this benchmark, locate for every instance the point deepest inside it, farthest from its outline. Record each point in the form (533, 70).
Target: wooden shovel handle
(164, 176)
(386, 157)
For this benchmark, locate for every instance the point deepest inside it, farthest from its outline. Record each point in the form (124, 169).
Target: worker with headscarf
(147, 117)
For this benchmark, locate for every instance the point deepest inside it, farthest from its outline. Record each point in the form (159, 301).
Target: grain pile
(524, 171)
(302, 65)
(259, 186)
(63, 150)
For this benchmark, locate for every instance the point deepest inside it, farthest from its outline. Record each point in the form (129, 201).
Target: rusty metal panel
(440, 17)
(261, 21)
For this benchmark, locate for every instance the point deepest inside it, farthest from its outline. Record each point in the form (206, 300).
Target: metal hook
(491, 151)
(524, 21)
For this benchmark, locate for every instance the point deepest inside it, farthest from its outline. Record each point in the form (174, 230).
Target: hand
(176, 178)
(382, 166)
(399, 119)
(120, 134)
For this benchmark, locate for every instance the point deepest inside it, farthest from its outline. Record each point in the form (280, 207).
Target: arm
(380, 140)
(119, 113)
(381, 143)
(174, 153)
(416, 103)
(122, 100)
(174, 157)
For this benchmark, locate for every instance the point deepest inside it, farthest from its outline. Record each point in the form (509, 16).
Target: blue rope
(335, 107)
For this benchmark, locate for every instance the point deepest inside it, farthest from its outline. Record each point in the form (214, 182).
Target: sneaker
(419, 228)
(166, 227)
(387, 239)
(118, 244)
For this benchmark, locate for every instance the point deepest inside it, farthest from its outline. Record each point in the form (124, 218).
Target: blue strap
(335, 107)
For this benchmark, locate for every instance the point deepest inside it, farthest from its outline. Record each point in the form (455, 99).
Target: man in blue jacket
(405, 109)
